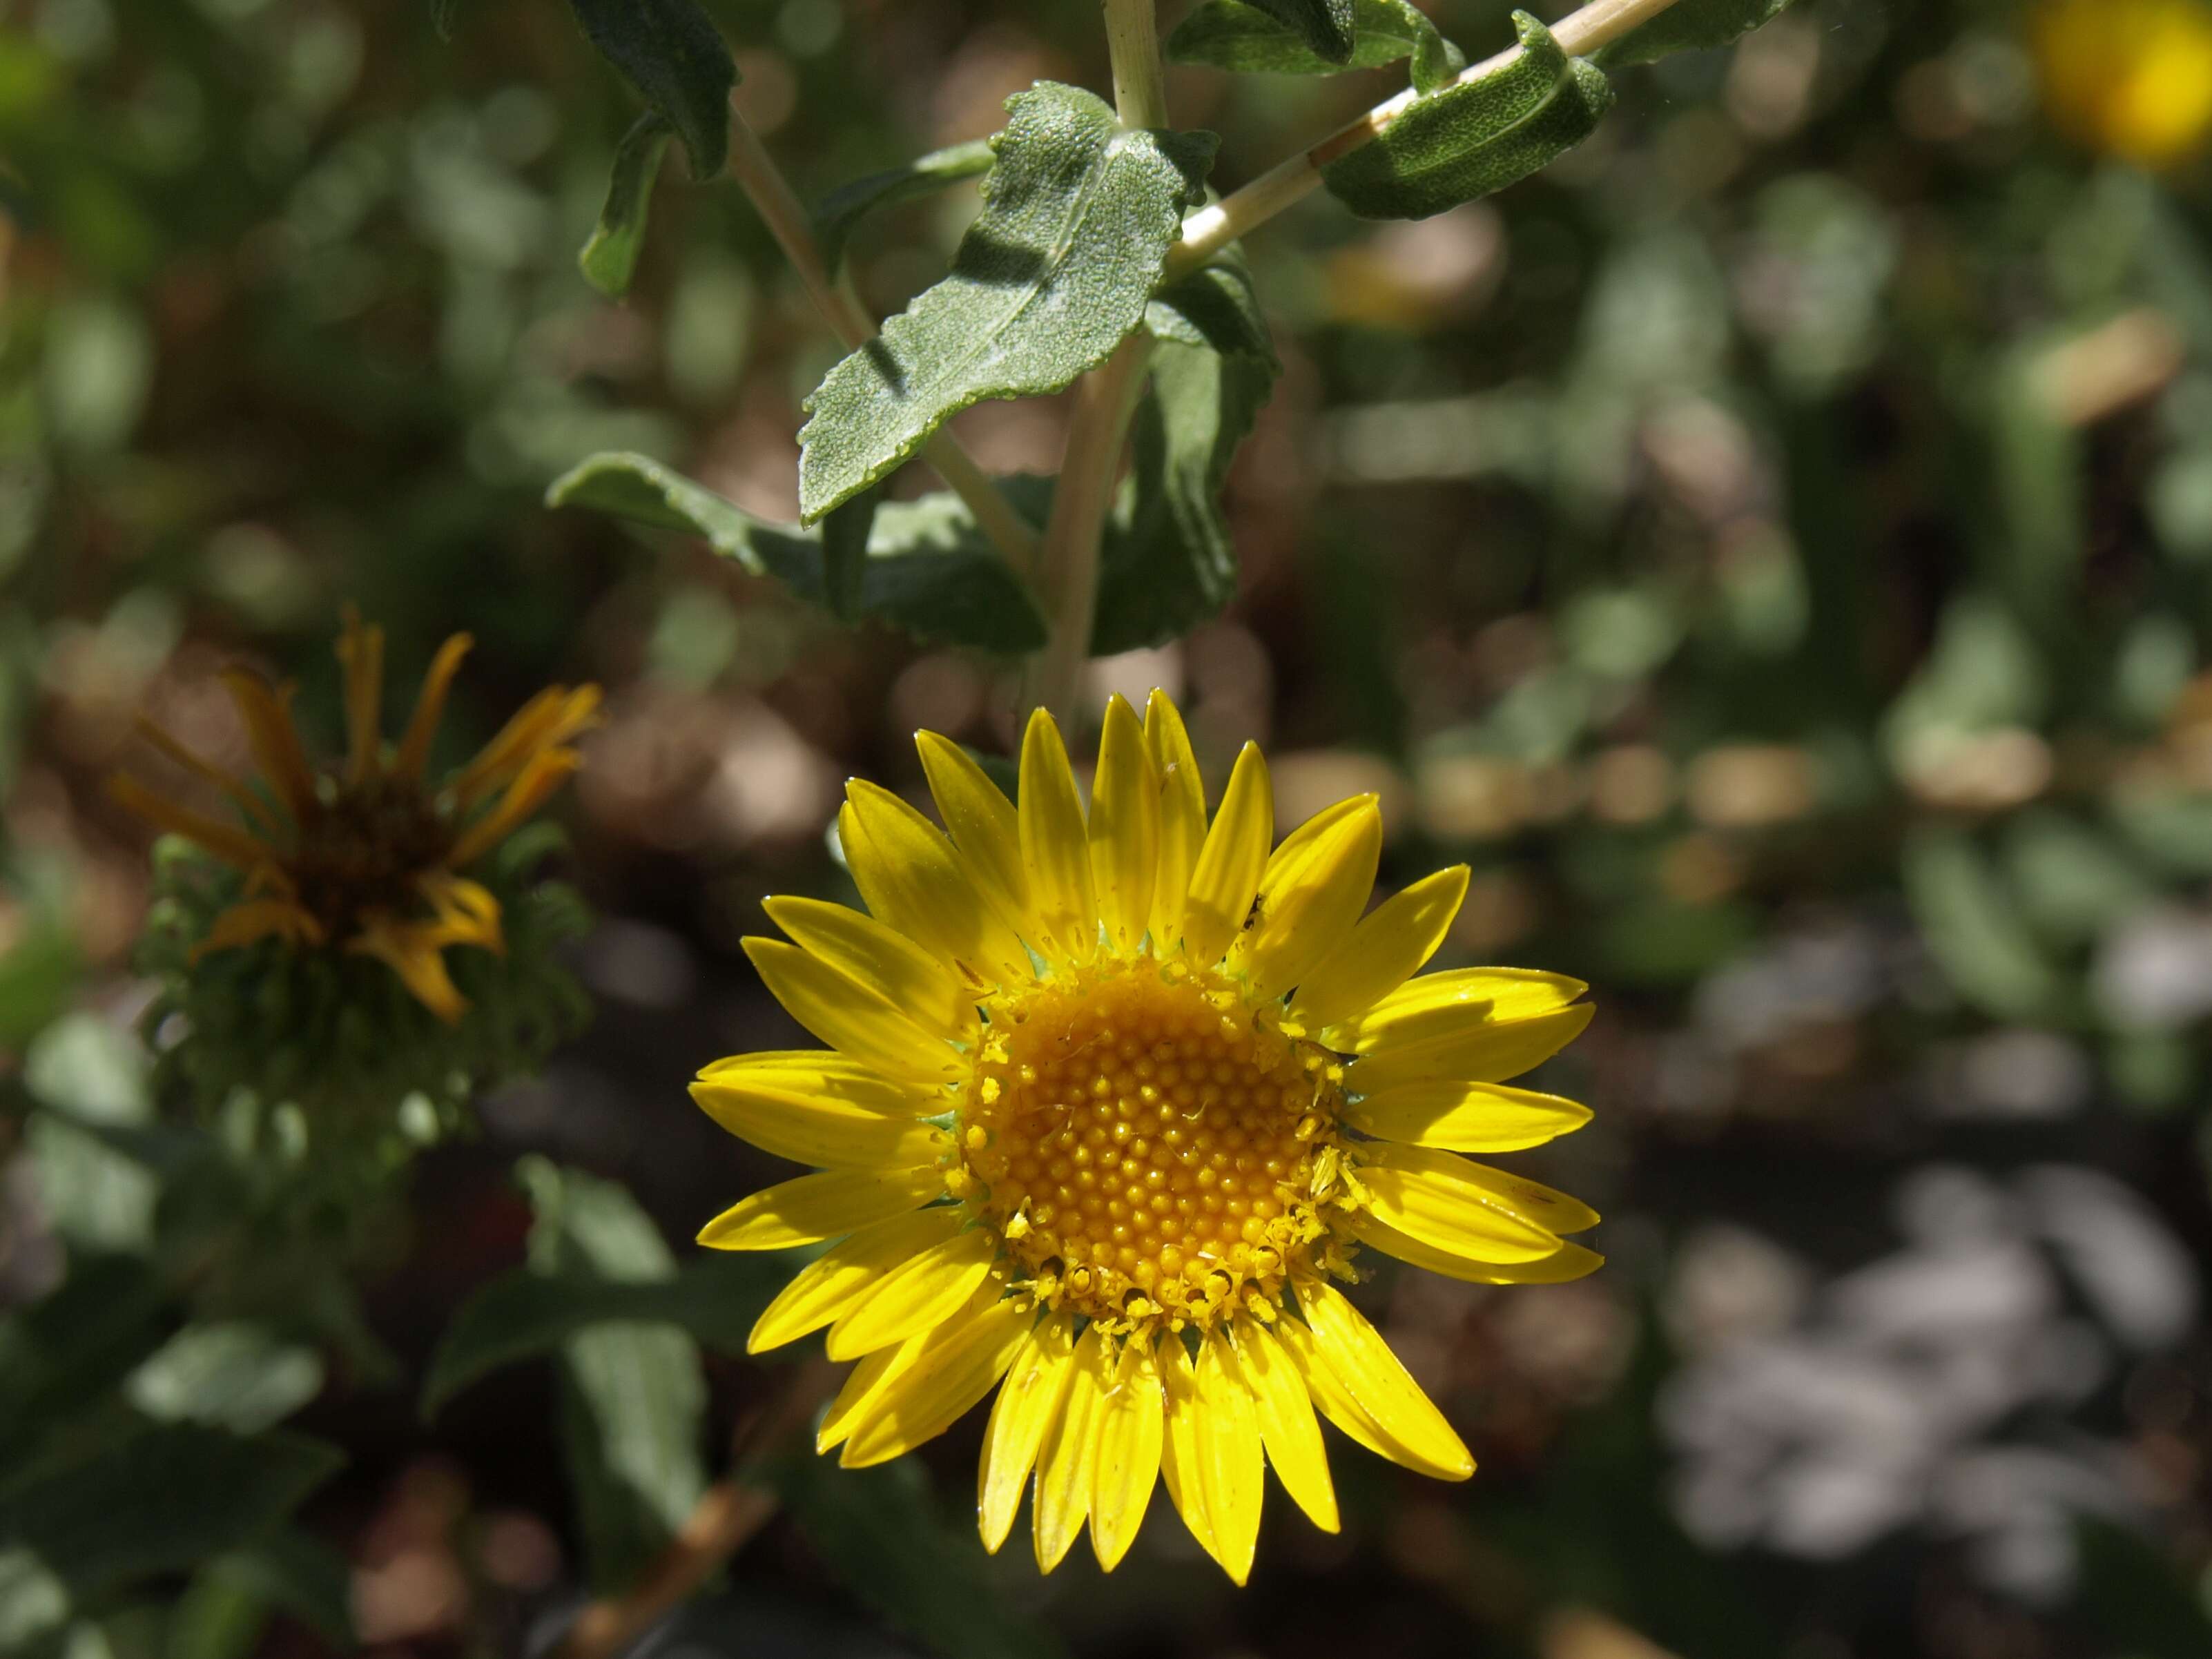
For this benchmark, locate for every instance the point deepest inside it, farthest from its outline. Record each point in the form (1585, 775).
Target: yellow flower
(1110, 1101)
(2133, 78)
(369, 855)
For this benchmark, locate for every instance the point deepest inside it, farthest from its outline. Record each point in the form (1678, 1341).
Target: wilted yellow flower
(369, 856)
(1110, 1101)
(2132, 77)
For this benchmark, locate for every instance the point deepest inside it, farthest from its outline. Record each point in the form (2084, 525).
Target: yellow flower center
(1147, 1148)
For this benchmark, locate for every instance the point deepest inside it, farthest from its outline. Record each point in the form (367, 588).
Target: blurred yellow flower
(2131, 78)
(369, 855)
(1110, 1099)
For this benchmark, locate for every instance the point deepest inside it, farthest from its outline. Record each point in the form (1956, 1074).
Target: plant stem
(1206, 232)
(772, 196)
(1105, 399)
(725, 1519)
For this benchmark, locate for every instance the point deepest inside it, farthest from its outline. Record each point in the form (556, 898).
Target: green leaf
(845, 554)
(845, 207)
(66, 1351)
(443, 13)
(1689, 25)
(1329, 27)
(2135, 1597)
(1238, 36)
(160, 1501)
(633, 1398)
(611, 257)
(526, 1315)
(1079, 214)
(1169, 562)
(1972, 928)
(300, 1575)
(882, 1531)
(1475, 137)
(929, 569)
(234, 1374)
(677, 58)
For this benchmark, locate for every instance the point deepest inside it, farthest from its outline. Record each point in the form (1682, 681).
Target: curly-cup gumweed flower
(1112, 1100)
(2130, 77)
(366, 857)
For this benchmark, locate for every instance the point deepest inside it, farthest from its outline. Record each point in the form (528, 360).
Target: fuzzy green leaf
(609, 258)
(929, 569)
(1689, 25)
(1475, 137)
(159, 1501)
(1238, 36)
(632, 1401)
(677, 58)
(62, 1354)
(846, 206)
(1169, 562)
(1078, 213)
(1329, 27)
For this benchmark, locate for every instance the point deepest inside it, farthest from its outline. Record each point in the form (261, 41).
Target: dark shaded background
(1774, 548)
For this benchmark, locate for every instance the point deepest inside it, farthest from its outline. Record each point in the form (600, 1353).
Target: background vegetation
(1773, 546)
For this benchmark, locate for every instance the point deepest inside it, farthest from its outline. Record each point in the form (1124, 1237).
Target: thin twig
(1206, 232)
(763, 181)
(725, 1519)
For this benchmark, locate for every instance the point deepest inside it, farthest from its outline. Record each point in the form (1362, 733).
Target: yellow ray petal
(1230, 1469)
(257, 811)
(826, 1071)
(1387, 948)
(922, 1291)
(429, 706)
(1436, 1206)
(1287, 1427)
(546, 721)
(1483, 1053)
(272, 737)
(818, 1207)
(1531, 1200)
(410, 950)
(253, 919)
(227, 841)
(1311, 896)
(855, 1021)
(1337, 1403)
(537, 784)
(862, 1386)
(816, 1128)
(1124, 829)
(1130, 1430)
(985, 829)
(932, 1388)
(1055, 851)
(464, 912)
(1230, 862)
(1179, 1464)
(361, 651)
(821, 1291)
(1358, 1357)
(1465, 1117)
(1441, 1006)
(883, 960)
(911, 878)
(1029, 1403)
(1067, 1462)
(1181, 815)
(1568, 1261)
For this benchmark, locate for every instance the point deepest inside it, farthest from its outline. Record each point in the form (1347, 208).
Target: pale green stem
(786, 219)
(1206, 232)
(1105, 399)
